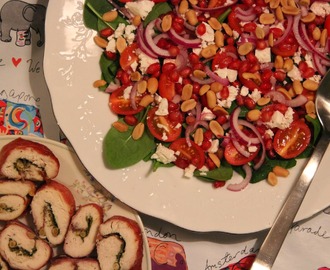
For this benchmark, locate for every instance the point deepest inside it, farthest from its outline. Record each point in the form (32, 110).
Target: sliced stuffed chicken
(120, 244)
(22, 249)
(66, 263)
(81, 236)
(27, 160)
(52, 207)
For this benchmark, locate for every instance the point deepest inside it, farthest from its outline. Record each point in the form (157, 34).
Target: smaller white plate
(84, 187)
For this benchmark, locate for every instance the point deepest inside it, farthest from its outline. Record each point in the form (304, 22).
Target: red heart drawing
(16, 61)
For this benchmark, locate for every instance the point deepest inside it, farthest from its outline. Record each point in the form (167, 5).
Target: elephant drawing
(20, 16)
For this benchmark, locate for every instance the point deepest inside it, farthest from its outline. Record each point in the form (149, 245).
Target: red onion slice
(227, 4)
(141, 43)
(287, 31)
(148, 36)
(215, 77)
(234, 124)
(186, 42)
(298, 101)
(243, 184)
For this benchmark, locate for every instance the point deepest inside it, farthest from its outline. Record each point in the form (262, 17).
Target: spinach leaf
(317, 128)
(223, 173)
(109, 68)
(157, 10)
(92, 15)
(157, 164)
(267, 167)
(121, 151)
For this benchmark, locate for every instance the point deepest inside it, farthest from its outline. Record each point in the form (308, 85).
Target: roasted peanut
(215, 159)
(99, 83)
(102, 43)
(245, 48)
(138, 131)
(211, 99)
(120, 126)
(142, 86)
(188, 105)
(166, 23)
(187, 91)
(267, 18)
(253, 115)
(280, 171)
(146, 100)
(216, 128)
(110, 16)
(214, 23)
(191, 17)
(272, 179)
(152, 85)
(310, 85)
(209, 51)
(198, 136)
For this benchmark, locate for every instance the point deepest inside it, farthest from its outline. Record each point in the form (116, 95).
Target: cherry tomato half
(120, 105)
(235, 158)
(292, 141)
(287, 47)
(161, 127)
(128, 56)
(166, 86)
(188, 154)
(327, 24)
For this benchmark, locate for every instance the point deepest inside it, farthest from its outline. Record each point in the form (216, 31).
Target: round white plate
(71, 67)
(83, 187)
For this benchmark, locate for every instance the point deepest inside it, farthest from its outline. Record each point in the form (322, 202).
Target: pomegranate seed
(174, 50)
(130, 120)
(178, 88)
(174, 76)
(201, 29)
(239, 100)
(280, 75)
(193, 58)
(153, 68)
(208, 135)
(249, 103)
(206, 144)
(261, 44)
(219, 184)
(106, 32)
(185, 72)
(168, 67)
(224, 93)
(190, 119)
(110, 55)
(222, 119)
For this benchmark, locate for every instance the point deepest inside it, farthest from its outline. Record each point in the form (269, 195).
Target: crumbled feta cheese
(233, 91)
(278, 25)
(264, 56)
(309, 60)
(244, 91)
(281, 121)
(208, 36)
(214, 146)
(235, 34)
(255, 95)
(127, 92)
(129, 34)
(316, 78)
(164, 136)
(295, 74)
(161, 126)
(189, 171)
(320, 8)
(140, 8)
(207, 114)
(269, 133)
(228, 73)
(164, 154)
(297, 57)
(162, 107)
(120, 30)
(252, 148)
(145, 60)
(111, 47)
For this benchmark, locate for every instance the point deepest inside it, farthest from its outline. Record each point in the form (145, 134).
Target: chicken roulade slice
(23, 159)
(66, 263)
(22, 249)
(52, 207)
(81, 236)
(14, 198)
(120, 244)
